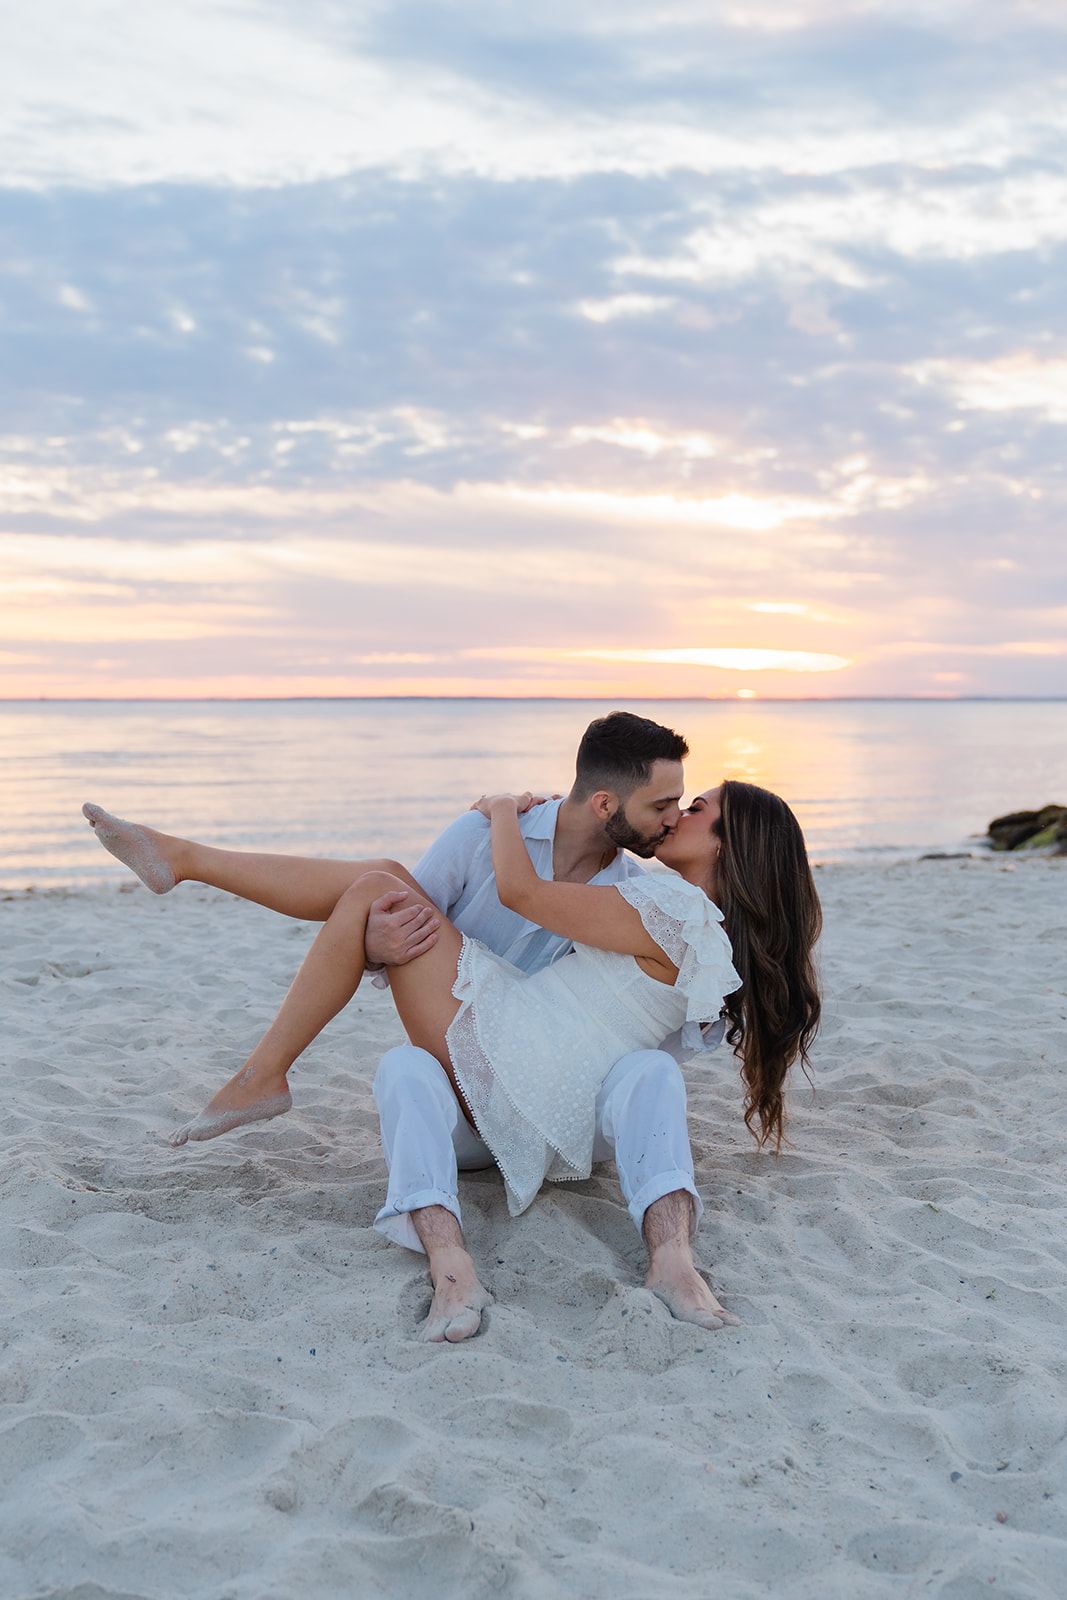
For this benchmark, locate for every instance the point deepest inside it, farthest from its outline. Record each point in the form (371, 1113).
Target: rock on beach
(1031, 830)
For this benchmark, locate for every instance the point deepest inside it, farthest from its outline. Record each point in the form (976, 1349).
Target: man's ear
(604, 804)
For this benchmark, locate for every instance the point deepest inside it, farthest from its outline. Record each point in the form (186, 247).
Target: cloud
(498, 91)
(754, 513)
(1023, 381)
(729, 660)
(842, 232)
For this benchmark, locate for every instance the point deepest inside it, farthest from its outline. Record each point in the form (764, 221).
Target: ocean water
(868, 780)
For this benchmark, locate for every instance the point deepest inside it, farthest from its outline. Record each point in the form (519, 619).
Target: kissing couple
(548, 985)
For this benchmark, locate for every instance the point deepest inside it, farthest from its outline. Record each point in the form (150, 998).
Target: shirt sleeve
(442, 871)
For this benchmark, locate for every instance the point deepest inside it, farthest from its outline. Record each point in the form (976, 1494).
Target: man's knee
(408, 1070)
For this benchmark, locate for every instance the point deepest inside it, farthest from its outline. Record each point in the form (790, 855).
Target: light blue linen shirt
(457, 874)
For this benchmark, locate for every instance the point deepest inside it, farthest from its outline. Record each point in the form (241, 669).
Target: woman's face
(692, 847)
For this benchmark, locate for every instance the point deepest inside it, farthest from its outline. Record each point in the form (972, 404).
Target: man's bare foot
(140, 849)
(458, 1299)
(246, 1098)
(686, 1295)
(672, 1277)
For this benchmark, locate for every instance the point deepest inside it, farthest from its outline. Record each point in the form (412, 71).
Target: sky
(444, 347)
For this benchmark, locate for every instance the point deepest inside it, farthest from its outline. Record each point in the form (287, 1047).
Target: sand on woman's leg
(133, 846)
(221, 1115)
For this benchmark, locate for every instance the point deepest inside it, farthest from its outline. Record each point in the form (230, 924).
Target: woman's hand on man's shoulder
(523, 802)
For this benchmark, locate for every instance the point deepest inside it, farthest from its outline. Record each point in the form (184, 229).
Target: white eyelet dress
(530, 1051)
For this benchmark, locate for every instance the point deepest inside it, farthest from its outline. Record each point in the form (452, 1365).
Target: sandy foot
(688, 1299)
(133, 846)
(209, 1124)
(458, 1301)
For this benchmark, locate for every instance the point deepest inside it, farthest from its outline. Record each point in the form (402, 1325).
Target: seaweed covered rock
(1030, 830)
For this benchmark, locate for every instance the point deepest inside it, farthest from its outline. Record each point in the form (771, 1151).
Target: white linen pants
(640, 1123)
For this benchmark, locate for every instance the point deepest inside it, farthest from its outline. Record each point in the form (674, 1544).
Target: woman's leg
(304, 887)
(326, 982)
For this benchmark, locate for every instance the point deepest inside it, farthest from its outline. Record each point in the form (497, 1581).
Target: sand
(211, 1382)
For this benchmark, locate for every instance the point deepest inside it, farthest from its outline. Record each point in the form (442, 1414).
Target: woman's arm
(588, 914)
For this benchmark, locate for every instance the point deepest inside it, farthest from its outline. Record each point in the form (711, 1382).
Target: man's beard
(625, 837)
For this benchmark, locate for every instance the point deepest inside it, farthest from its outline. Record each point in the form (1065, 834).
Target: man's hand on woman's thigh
(399, 929)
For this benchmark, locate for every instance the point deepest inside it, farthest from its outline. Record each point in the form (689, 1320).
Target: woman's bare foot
(140, 849)
(247, 1097)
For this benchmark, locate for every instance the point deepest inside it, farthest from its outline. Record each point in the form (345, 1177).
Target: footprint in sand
(396, 1510)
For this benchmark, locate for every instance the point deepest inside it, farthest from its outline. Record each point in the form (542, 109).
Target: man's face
(647, 817)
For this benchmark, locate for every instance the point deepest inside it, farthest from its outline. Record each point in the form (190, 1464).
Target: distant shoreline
(534, 699)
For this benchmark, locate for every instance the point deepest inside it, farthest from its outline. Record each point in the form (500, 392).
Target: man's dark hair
(617, 753)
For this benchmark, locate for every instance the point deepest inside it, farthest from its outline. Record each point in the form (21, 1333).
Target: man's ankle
(438, 1229)
(668, 1222)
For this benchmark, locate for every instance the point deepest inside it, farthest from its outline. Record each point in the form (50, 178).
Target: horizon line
(501, 699)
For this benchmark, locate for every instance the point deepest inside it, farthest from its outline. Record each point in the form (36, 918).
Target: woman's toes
(133, 846)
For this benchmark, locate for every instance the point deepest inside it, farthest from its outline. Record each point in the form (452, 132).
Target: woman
(526, 1055)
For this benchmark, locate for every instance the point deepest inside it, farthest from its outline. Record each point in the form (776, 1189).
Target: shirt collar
(540, 821)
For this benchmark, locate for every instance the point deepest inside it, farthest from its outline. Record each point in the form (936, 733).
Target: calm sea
(381, 777)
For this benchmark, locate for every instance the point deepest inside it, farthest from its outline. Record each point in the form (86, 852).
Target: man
(625, 796)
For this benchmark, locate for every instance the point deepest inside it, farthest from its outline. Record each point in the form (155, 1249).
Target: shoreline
(113, 876)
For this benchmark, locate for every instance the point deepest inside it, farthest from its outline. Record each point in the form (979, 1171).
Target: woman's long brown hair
(772, 915)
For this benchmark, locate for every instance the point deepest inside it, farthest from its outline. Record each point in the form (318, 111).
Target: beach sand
(210, 1374)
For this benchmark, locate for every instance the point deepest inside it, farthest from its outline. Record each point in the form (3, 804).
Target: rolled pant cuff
(665, 1183)
(394, 1221)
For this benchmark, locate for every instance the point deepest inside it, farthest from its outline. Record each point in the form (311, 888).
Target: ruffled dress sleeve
(687, 926)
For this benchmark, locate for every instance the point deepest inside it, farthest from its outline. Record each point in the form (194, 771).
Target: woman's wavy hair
(772, 915)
